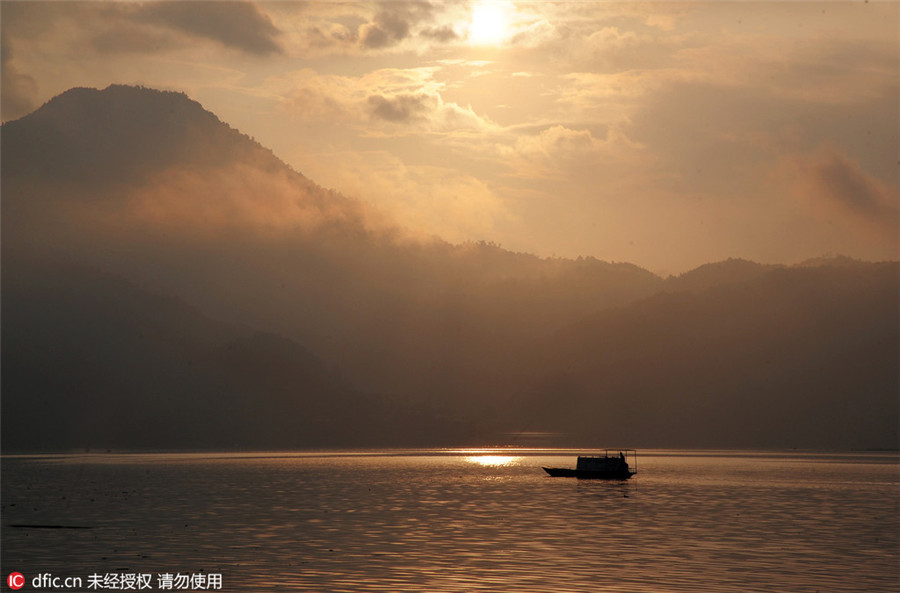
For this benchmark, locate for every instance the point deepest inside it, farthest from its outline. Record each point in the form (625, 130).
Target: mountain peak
(119, 96)
(120, 133)
(730, 271)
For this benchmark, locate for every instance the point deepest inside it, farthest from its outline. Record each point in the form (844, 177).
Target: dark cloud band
(235, 24)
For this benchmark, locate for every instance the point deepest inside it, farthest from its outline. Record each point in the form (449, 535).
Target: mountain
(92, 361)
(195, 209)
(156, 162)
(801, 357)
(730, 271)
(168, 282)
(121, 135)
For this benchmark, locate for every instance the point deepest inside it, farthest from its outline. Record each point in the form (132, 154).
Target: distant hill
(93, 361)
(801, 357)
(730, 271)
(833, 261)
(113, 198)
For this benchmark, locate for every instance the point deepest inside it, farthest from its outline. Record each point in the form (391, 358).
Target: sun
(490, 23)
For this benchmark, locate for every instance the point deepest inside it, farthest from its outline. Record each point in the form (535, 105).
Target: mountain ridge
(473, 340)
(175, 116)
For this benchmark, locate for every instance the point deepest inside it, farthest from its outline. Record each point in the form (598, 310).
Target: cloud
(452, 117)
(431, 200)
(103, 42)
(239, 196)
(388, 28)
(243, 198)
(536, 33)
(664, 22)
(561, 152)
(834, 185)
(617, 94)
(322, 39)
(125, 32)
(403, 108)
(428, 112)
(442, 34)
(396, 22)
(311, 95)
(559, 139)
(827, 71)
(320, 29)
(387, 101)
(19, 90)
(240, 25)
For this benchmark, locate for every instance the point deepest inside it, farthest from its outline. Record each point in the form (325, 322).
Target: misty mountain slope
(148, 185)
(801, 357)
(135, 160)
(93, 361)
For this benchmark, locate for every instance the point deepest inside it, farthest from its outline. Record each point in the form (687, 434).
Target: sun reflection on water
(492, 460)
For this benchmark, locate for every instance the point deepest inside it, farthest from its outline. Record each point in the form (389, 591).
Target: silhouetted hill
(834, 261)
(801, 357)
(730, 271)
(111, 197)
(92, 361)
(122, 134)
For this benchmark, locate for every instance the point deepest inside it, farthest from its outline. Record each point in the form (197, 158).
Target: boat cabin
(596, 463)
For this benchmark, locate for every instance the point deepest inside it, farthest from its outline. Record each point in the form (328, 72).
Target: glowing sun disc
(489, 24)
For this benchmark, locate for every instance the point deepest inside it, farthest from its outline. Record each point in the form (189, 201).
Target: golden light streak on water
(492, 460)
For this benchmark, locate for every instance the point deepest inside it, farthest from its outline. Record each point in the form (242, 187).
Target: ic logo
(15, 580)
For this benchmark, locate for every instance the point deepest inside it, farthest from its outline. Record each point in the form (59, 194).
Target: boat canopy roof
(615, 451)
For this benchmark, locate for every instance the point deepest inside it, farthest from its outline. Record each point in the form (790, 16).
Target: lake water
(459, 521)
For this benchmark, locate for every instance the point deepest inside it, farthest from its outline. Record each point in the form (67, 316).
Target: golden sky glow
(665, 134)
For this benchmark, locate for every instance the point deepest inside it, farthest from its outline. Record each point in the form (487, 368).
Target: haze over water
(460, 521)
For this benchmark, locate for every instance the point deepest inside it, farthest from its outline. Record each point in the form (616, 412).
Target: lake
(454, 521)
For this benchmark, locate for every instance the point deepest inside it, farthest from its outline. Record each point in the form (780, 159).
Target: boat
(599, 467)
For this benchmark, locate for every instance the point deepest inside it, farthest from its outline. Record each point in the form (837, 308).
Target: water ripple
(445, 522)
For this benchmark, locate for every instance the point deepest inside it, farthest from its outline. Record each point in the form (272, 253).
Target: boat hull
(582, 474)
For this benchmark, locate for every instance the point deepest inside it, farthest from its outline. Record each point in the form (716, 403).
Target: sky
(665, 134)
